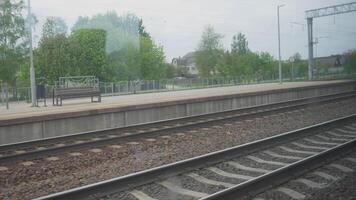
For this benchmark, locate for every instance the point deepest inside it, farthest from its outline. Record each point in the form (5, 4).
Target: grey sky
(178, 24)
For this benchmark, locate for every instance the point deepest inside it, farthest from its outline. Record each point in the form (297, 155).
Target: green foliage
(295, 67)
(182, 71)
(132, 63)
(170, 71)
(84, 52)
(12, 42)
(209, 52)
(242, 62)
(152, 60)
(121, 30)
(52, 58)
(52, 55)
(80, 54)
(87, 53)
(350, 66)
(54, 26)
(261, 65)
(125, 63)
(239, 44)
(142, 30)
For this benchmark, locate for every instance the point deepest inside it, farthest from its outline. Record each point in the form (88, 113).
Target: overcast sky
(177, 24)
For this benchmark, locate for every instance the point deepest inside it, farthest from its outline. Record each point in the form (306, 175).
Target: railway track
(41, 148)
(333, 180)
(234, 173)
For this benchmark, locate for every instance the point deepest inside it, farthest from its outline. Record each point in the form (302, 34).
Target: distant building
(335, 63)
(187, 61)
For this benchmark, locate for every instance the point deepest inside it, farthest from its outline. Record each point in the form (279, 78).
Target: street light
(279, 45)
(32, 69)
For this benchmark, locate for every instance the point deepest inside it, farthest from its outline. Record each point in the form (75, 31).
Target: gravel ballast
(45, 177)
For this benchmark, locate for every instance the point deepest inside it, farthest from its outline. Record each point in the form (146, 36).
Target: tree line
(115, 48)
(108, 46)
(212, 59)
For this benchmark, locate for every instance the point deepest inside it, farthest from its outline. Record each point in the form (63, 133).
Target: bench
(75, 92)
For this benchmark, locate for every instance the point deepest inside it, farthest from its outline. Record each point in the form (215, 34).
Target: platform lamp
(32, 68)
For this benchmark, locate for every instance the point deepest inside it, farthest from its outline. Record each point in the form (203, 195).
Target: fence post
(7, 96)
(112, 89)
(28, 94)
(2, 92)
(105, 91)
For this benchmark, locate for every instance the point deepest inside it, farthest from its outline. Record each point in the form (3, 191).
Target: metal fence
(146, 86)
(22, 94)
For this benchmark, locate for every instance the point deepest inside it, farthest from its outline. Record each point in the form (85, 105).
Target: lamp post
(279, 45)
(32, 69)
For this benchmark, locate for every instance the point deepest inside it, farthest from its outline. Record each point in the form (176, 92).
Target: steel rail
(125, 138)
(119, 184)
(270, 180)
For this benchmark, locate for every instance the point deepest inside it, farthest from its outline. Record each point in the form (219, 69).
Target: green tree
(225, 65)
(54, 26)
(87, 53)
(300, 67)
(145, 61)
(209, 52)
(152, 60)
(125, 64)
(12, 39)
(52, 55)
(120, 30)
(350, 65)
(239, 44)
(52, 58)
(268, 66)
(142, 29)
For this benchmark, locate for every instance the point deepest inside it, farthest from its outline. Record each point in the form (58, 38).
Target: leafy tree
(132, 54)
(87, 53)
(125, 63)
(239, 44)
(152, 60)
(120, 30)
(54, 26)
(225, 64)
(182, 71)
(52, 58)
(142, 30)
(131, 63)
(12, 42)
(52, 55)
(350, 65)
(300, 67)
(209, 51)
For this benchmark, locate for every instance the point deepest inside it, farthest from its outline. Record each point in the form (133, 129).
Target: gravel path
(29, 180)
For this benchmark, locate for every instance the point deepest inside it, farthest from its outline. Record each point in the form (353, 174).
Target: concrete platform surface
(24, 110)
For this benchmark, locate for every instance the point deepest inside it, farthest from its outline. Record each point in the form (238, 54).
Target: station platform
(23, 122)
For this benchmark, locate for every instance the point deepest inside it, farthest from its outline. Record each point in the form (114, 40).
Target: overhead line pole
(322, 12)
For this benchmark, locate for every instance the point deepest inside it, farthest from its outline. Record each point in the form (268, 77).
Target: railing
(146, 86)
(77, 81)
